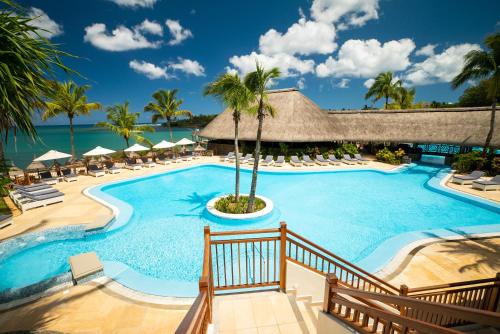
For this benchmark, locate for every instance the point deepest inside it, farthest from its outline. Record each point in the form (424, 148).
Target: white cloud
(345, 12)
(304, 37)
(289, 65)
(151, 27)
(135, 3)
(442, 67)
(188, 66)
(179, 34)
(149, 70)
(120, 39)
(301, 83)
(343, 83)
(368, 83)
(427, 50)
(48, 28)
(366, 59)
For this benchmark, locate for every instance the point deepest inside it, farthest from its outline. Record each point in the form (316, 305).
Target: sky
(330, 49)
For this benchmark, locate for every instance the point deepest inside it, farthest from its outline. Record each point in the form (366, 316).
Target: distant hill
(197, 121)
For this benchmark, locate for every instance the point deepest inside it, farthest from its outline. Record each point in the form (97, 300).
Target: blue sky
(329, 48)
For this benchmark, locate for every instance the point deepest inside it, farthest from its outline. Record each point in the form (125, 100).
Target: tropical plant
(257, 82)
(166, 108)
(27, 64)
(385, 86)
(467, 162)
(228, 204)
(481, 64)
(475, 96)
(124, 123)
(391, 157)
(235, 95)
(404, 97)
(67, 98)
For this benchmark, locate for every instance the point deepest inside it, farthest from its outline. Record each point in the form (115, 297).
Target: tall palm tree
(124, 123)
(67, 98)
(166, 107)
(384, 87)
(404, 97)
(27, 63)
(235, 95)
(257, 82)
(484, 65)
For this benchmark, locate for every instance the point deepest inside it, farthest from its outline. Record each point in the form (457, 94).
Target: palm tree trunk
(72, 138)
(253, 188)
(2, 153)
(170, 130)
(386, 101)
(237, 160)
(126, 141)
(492, 127)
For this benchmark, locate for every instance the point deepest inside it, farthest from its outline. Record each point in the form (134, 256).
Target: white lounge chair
(111, 168)
(148, 162)
(320, 160)
(252, 160)
(467, 179)
(187, 157)
(360, 159)
(31, 202)
(295, 161)
(30, 186)
(33, 188)
(307, 160)
(163, 160)
(348, 160)
(95, 171)
(132, 164)
(68, 175)
(484, 185)
(19, 196)
(280, 161)
(47, 178)
(332, 160)
(5, 220)
(227, 157)
(268, 161)
(247, 157)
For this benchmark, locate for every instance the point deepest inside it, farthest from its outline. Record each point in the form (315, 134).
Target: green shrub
(388, 156)
(228, 204)
(467, 162)
(350, 149)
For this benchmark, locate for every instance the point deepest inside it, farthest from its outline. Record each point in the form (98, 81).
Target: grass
(228, 204)
(4, 209)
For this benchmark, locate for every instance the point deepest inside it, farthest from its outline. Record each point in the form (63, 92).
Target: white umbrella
(136, 148)
(163, 145)
(184, 141)
(53, 155)
(98, 151)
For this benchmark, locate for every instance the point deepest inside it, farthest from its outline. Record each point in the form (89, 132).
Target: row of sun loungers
(295, 161)
(476, 181)
(35, 196)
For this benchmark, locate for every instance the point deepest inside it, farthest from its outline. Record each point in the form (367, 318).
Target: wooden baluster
(283, 256)
(495, 295)
(330, 282)
(403, 291)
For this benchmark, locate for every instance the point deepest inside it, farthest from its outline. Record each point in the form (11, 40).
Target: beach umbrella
(53, 155)
(136, 148)
(184, 141)
(35, 166)
(199, 148)
(98, 151)
(164, 145)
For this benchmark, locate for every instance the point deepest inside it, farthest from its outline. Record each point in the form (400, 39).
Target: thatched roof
(301, 120)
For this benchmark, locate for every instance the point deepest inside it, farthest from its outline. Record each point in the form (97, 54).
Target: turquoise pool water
(347, 212)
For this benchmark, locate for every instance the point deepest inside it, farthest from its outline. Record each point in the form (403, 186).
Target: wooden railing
(343, 303)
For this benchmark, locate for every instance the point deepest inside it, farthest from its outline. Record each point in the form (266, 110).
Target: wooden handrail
(486, 318)
(193, 320)
(341, 260)
(455, 284)
(261, 231)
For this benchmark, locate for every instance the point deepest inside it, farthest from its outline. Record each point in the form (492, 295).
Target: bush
(393, 158)
(467, 162)
(350, 149)
(228, 204)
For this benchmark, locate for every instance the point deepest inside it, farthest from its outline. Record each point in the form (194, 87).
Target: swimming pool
(158, 248)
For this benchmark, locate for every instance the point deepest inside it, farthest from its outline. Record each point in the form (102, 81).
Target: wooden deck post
(283, 256)
(207, 281)
(330, 281)
(493, 304)
(403, 291)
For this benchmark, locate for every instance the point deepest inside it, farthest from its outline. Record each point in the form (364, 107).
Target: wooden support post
(403, 291)
(331, 281)
(207, 280)
(493, 303)
(283, 256)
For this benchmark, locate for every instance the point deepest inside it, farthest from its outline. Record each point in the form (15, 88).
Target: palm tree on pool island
(235, 95)
(124, 123)
(67, 98)
(257, 82)
(385, 86)
(481, 64)
(166, 107)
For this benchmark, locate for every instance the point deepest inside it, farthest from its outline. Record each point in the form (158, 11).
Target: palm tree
(166, 107)
(384, 87)
(124, 123)
(404, 97)
(69, 99)
(235, 95)
(484, 65)
(27, 63)
(257, 83)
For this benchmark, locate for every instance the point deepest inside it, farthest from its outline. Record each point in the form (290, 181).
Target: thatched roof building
(301, 120)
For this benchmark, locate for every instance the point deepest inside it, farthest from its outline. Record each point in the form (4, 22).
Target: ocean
(22, 149)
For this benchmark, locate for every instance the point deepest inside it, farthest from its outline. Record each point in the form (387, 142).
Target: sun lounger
(31, 202)
(111, 168)
(132, 164)
(268, 161)
(307, 160)
(18, 196)
(247, 157)
(320, 160)
(40, 187)
(295, 161)
(46, 177)
(163, 160)
(360, 159)
(332, 160)
(95, 171)
(484, 185)
(31, 186)
(348, 160)
(5, 220)
(280, 161)
(467, 179)
(252, 160)
(176, 159)
(148, 162)
(187, 157)
(227, 157)
(68, 175)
